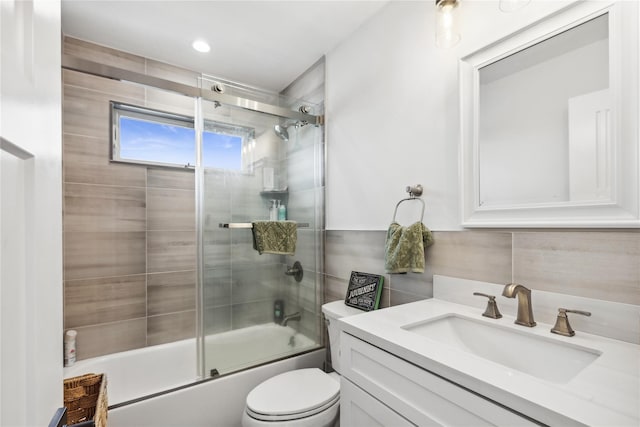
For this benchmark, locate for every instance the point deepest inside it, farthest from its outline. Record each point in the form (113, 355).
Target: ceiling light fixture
(447, 32)
(201, 46)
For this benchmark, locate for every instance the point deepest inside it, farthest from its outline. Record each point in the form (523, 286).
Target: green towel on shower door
(275, 237)
(404, 248)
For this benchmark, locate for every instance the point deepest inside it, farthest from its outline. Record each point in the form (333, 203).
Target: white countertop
(607, 392)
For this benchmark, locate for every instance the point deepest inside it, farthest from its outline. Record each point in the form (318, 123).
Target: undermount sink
(541, 357)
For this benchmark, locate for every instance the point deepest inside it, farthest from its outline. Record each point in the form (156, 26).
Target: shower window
(152, 137)
(225, 146)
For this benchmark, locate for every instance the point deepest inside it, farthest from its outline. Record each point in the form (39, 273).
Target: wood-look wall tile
(335, 288)
(171, 327)
(477, 255)
(385, 298)
(87, 112)
(302, 207)
(399, 297)
(594, 264)
(347, 251)
(217, 319)
(217, 287)
(307, 295)
(104, 208)
(86, 160)
(171, 292)
(103, 55)
(420, 285)
(311, 324)
(252, 313)
(102, 84)
(103, 254)
(170, 209)
(108, 338)
(244, 255)
(171, 251)
(257, 283)
(169, 102)
(104, 300)
(171, 178)
(171, 72)
(301, 167)
(217, 248)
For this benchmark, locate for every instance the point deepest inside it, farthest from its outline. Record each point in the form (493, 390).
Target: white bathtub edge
(217, 403)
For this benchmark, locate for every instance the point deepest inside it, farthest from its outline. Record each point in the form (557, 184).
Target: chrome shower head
(281, 131)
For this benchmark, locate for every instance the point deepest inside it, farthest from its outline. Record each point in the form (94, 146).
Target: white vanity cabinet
(378, 388)
(360, 409)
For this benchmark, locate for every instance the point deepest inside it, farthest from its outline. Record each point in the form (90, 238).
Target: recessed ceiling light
(201, 46)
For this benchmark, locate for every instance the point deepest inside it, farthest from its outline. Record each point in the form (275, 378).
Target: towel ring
(404, 200)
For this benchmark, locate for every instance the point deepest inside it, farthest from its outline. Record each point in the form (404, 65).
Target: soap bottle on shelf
(273, 211)
(282, 213)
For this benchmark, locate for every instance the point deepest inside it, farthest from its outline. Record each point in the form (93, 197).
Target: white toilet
(304, 397)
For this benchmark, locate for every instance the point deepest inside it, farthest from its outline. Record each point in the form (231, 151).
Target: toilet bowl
(303, 397)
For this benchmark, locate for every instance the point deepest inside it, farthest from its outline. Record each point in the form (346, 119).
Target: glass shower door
(246, 297)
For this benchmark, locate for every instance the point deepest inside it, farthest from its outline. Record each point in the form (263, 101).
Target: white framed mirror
(549, 123)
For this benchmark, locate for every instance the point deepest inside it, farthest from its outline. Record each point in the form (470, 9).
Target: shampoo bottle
(273, 211)
(70, 347)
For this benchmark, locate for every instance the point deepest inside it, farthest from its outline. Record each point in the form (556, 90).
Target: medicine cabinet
(549, 120)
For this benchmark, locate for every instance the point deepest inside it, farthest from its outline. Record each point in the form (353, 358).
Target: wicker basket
(85, 398)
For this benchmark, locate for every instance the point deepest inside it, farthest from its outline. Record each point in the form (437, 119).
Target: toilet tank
(332, 312)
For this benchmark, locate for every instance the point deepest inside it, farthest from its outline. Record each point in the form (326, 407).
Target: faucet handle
(562, 326)
(492, 308)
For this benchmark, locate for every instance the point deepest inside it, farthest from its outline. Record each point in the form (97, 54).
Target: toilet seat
(293, 395)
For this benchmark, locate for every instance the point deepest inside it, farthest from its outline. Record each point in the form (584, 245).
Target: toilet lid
(293, 394)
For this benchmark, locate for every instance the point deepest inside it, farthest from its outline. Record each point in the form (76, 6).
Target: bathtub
(140, 373)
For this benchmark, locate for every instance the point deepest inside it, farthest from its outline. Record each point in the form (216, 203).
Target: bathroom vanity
(437, 362)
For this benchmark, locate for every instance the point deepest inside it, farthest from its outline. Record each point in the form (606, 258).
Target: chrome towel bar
(250, 225)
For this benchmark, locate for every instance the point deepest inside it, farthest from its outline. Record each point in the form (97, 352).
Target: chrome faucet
(294, 316)
(525, 312)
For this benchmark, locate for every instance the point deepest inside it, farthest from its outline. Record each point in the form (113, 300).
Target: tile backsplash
(603, 265)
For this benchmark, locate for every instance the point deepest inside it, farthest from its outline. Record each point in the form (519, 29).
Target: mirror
(549, 123)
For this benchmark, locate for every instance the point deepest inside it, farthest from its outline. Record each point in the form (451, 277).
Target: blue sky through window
(156, 142)
(221, 151)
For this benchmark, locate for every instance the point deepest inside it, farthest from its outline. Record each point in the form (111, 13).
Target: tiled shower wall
(602, 265)
(129, 230)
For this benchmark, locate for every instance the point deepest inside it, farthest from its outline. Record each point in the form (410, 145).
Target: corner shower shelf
(250, 225)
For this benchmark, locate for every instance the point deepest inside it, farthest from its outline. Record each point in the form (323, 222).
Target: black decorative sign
(364, 291)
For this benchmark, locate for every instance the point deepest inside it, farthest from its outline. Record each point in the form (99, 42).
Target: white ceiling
(266, 44)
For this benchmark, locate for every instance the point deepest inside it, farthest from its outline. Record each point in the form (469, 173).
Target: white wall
(30, 117)
(392, 112)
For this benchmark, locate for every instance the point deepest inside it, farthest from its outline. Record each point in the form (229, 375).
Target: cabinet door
(420, 396)
(359, 409)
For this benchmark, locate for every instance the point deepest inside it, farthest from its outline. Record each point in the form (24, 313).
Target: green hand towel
(404, 248)
(275, 237)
